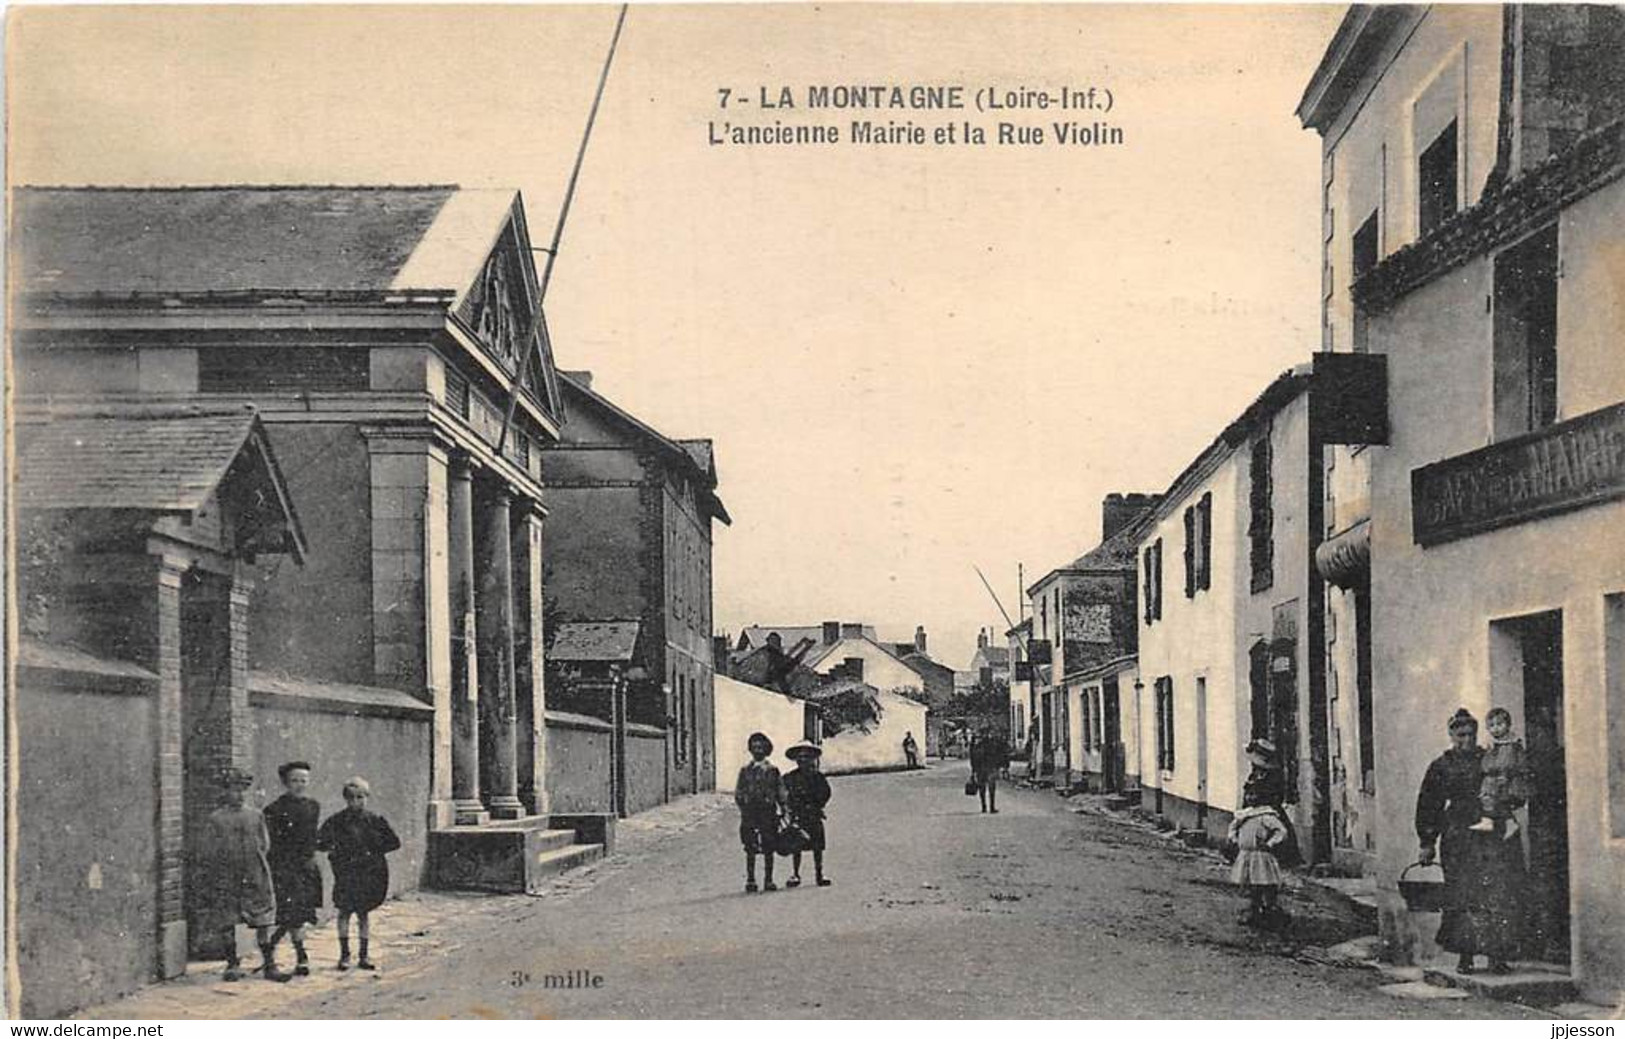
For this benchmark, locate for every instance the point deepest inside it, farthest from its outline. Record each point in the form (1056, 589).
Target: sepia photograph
(794, 512)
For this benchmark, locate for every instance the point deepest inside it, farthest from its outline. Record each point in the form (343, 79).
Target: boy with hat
(759, 792)
(237, 877)
(806, 792)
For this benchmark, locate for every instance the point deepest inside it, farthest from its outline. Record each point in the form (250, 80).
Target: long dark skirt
(298, 891)
(1485, 883)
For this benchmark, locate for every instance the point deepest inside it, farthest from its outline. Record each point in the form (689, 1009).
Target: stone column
(531, 698)
(465, 687)
(494, 634)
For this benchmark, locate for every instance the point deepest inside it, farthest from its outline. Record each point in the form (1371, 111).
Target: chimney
(981, 638)
(719, 653)
(919, 639)
(1119, 510)
(854, 668)
(851, 631)
(832, 632)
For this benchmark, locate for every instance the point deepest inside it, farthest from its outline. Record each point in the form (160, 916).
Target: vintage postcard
(816, 511)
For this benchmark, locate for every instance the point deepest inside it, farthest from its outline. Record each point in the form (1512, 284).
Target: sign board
(1566, 466)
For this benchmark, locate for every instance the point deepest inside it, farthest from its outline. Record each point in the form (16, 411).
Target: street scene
(930, 900)
(803, 511)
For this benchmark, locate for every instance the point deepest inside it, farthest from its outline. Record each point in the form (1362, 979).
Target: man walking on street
(911, 750)
(986, 759)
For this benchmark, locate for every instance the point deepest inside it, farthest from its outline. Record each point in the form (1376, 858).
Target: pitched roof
(688, 453)
(594, 641)
(119, 241)
(995, 656)
(790, 634)
(160, 458)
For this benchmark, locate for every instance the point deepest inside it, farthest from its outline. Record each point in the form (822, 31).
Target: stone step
(1530, 982)
(552, 863)
(552, 840)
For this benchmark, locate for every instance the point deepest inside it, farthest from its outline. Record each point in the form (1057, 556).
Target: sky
(914, 360)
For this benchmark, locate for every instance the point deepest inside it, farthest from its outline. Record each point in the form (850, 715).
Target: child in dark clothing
(356, 842)
(759, 792)
(1505, 786)
(291, 820)
(806, 792)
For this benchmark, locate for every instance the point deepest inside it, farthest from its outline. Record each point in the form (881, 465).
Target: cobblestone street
(936, 911)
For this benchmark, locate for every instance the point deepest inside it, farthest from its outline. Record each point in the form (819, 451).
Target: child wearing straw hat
(806, 792)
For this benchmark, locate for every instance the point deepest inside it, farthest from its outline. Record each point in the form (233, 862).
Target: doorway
(1528, 680)
(205, 672)
(1111, 753)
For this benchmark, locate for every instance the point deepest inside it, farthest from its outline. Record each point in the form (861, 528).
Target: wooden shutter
(1190, 552)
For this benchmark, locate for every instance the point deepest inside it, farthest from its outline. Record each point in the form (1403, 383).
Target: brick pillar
(494, 640)
(169, 768)
(528, 663)
(411, 610)
(465, 703)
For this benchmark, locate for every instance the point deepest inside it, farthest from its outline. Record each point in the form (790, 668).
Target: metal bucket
(1422, 896)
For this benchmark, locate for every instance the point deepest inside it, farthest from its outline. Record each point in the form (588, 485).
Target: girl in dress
(1256, 831)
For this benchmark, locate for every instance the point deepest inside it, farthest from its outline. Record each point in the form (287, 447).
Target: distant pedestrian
(806, 792)
(759, 793)
(911, 750)
(1256, 832)
(986, 762)
(356, 842)
(292, 821)
(237, 886)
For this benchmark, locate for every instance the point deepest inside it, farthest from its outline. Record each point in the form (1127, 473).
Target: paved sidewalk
(413, 934)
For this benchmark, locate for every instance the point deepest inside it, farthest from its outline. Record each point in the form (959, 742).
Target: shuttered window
(1260, 526)
(1165, 724)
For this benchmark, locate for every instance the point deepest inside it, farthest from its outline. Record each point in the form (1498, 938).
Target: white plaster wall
(880, 669)
(1195, 636)
(882, 745)
(1372, 150)
(1432, 607)
(742, 709)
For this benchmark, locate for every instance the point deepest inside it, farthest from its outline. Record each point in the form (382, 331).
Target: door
(1111, 761)
(1047, 759)
(1541, 637)
(1063, 761)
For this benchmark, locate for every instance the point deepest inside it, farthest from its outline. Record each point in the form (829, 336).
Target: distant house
(631, 513)
(1082, 617)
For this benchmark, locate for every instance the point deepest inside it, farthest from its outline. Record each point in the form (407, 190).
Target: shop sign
(1567, 466)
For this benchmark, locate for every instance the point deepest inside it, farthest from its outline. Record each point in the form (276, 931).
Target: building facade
(1232, 608)
(1486, 144)
(383, 336)
(634, 515)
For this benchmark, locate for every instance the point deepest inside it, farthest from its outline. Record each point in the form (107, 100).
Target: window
(1153, 581)
(1525, 361)
(1260, 525)
(1199, 546)
(1088, 731)
(681, 750)
(1366, 254)
(1204, 544)
(1436, 181)
(1165, 724)
(1190, 552)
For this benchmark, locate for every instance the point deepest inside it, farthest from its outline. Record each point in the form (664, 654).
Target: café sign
(1566, 466)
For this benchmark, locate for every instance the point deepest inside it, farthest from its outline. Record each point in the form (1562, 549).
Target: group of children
(767, 801)
(259, 868)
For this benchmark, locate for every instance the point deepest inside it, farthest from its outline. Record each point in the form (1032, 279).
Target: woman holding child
(1466, 810)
